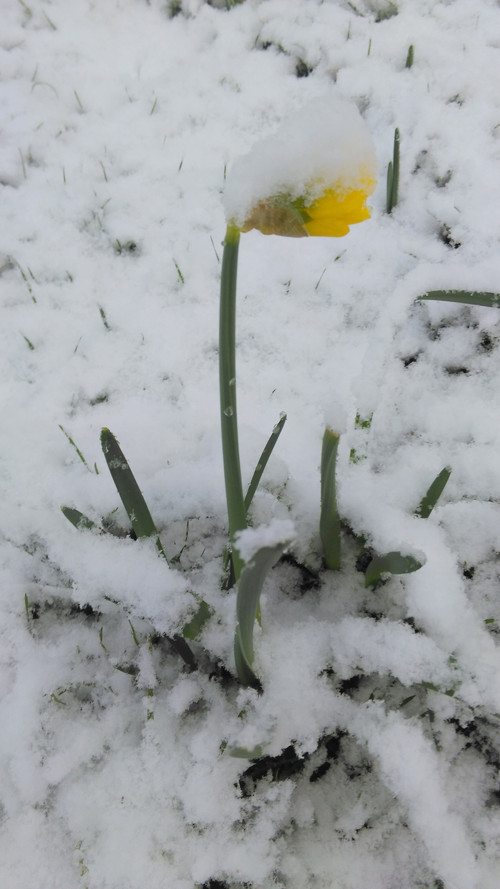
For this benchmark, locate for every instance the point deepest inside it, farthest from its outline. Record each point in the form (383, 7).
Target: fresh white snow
(380, 709)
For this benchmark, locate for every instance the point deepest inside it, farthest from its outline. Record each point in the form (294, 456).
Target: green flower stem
(227, 378)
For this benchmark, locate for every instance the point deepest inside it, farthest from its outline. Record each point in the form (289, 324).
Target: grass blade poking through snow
(433, 494)
(247, 602)
(128, 489)
(329, 525)
(245, 753)
(393, 175)
(73, 445)
(465, 297)
(263, 460)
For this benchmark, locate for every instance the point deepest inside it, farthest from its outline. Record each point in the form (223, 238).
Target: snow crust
(124, 130)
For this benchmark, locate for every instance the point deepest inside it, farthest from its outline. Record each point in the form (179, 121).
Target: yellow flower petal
(327, 228)
(336, 209)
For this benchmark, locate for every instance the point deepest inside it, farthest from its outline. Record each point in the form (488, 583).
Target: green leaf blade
(390, 563)
(393, 174)
(464, 297)
(78, 519)
(390, 177)
(245, 753)
(263, 461)
(247, 601)
(193, 628)
(128, 489)
(433, 494)
(329, 525)
(396, 156)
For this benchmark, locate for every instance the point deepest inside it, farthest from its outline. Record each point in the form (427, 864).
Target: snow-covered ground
(379, 717)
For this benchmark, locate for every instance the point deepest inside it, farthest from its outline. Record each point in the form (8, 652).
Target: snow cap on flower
(311, 178)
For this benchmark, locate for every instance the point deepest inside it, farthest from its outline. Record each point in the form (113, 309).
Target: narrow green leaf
(73, 445)
(390, 177)
(395, 168)
(103, 317)
(407, 701)
(179, 273)
(433, 494)
(393, 175)
(449, 692)
(245, 753)
(245, 673)
(410, 56)
(465, 297)
(134, 634)
(101, 641)
(128, 489)
(77, 518)
(247, 601)
(28, 343)
(329, 525)
(390, 563)
(193, 629)
(263, 460)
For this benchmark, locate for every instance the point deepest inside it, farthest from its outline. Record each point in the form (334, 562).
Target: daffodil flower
(313, 177)
(329, 215)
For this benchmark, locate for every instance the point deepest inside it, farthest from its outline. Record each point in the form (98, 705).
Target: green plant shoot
(393, 175)
(433, 494)
(390, 563)
(247, 602)
(263, 461)
(465, 297)
(128, 489)
(329, 525)
(78, 519)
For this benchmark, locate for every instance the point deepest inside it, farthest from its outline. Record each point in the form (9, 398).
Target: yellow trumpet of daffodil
(312, 178)
(333, 213)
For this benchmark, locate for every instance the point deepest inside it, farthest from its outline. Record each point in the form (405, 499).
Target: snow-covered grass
(374, 738)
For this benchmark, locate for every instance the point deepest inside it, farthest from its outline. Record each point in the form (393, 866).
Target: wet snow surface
(378, 722)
